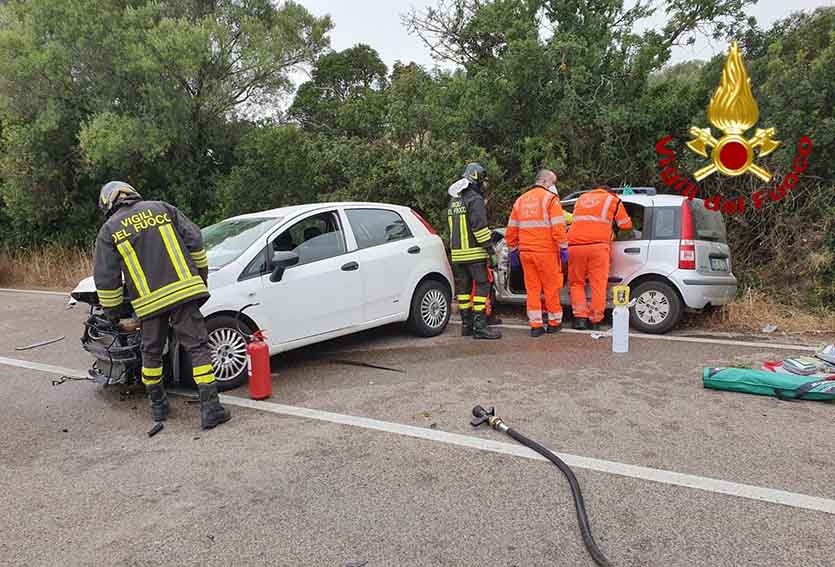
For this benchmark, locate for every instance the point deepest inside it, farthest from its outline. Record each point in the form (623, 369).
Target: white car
(316, 272)
(311, 273)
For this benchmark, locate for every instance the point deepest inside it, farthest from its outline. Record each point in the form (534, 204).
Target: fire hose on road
(480, 416)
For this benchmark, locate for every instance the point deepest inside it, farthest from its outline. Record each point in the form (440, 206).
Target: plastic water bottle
(620, 319)
(620, 329)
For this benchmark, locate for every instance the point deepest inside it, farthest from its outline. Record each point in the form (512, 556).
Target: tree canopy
(190, 100)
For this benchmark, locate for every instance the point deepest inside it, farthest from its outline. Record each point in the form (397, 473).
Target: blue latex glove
(563, 256)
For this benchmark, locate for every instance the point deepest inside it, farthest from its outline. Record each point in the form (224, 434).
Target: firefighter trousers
(543, 273)
(465, 276)
(589, 262)
(490, 280)
(190, 330)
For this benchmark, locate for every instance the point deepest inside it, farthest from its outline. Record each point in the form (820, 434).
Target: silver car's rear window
(709, 225)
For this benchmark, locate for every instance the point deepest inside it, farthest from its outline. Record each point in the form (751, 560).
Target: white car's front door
(323, 292)
(389, 255)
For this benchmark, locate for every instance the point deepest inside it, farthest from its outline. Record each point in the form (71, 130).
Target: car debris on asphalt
(40, 344)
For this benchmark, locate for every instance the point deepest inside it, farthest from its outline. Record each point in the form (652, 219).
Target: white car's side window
(373, 227)
(314, 238)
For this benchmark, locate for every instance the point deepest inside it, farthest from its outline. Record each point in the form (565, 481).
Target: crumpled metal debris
(597, 336)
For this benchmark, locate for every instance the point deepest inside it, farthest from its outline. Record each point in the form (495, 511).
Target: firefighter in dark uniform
(472, 249)
(160, 252)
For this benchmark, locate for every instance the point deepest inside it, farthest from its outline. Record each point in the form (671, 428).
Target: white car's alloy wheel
(228, 348)
(433, 308)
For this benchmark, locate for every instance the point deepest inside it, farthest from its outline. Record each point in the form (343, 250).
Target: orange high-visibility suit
(537, 228)
(590, 242)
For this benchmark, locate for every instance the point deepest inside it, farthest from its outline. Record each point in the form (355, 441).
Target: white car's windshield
(227, 240)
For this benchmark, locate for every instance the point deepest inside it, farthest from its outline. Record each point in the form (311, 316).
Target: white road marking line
(770, 495)
(728, 342)
(42, 367)
(36, 292)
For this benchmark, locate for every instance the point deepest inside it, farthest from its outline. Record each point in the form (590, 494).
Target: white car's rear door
(389, 254)
(323, 293)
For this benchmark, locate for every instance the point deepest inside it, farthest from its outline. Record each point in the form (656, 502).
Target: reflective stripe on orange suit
(590, 239)
(537, 228)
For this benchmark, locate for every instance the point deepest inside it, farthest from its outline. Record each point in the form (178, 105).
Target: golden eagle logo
(733, 110)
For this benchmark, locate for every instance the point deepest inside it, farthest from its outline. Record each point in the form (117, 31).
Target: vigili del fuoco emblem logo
(733, 110)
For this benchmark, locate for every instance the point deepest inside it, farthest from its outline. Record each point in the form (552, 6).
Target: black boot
(581, 323)
(481, 330)
(159, 401)
(494, 319)
(554, 329)
(466, 322)
(537, 332)
(212, 413)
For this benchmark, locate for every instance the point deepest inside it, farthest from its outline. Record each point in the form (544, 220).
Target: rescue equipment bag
(763, 383)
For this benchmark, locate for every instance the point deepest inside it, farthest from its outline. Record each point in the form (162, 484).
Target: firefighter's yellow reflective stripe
(479, 299)
(471, 254)
(171, 299)
(110, 293)
(464, 297)
(482, 235)
(151, 376)
(203, 369)
(479, 308)
(465, 306)
(134, 268)
(465, 232)
(205, 379)
(110, 298)
(203, 374)
(175, 253)
(166, 290)
(201, 259)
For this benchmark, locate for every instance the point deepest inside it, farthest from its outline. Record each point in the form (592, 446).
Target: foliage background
(189, 100)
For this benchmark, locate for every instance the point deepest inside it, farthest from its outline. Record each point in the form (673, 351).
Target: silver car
(676, 259)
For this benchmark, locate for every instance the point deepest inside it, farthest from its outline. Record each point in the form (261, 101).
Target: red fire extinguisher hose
(257, 360)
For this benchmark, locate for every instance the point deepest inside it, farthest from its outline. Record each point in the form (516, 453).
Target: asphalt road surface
(82, 484)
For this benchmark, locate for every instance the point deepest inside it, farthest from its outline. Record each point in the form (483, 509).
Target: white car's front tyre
(430, 309)
(227, 346)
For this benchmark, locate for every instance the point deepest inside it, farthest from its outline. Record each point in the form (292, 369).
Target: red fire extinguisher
(258, 363)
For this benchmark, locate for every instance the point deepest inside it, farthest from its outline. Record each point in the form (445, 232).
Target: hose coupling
(498, 424)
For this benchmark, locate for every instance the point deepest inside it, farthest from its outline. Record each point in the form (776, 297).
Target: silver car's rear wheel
(657, 307)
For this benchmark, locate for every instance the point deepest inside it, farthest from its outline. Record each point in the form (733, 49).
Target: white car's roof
(294, 210)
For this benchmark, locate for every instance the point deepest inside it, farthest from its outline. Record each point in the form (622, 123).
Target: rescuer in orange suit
(590, 237)
(537, 228)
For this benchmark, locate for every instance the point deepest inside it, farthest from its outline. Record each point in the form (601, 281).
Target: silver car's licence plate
(719, 264)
